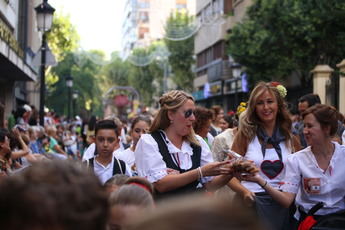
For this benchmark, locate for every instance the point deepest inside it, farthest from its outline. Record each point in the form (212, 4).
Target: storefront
(14, 72)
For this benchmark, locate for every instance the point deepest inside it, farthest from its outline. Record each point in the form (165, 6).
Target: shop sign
(8, 37)
(216, 88)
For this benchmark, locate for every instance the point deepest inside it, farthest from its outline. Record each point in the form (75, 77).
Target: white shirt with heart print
(266, 165)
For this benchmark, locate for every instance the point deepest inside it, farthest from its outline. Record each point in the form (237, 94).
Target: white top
(343, 138)
(312, 184)
(267, 164)
(104, 173)
(210, 139)
(150, 163)
(127, 156)
(90, 152)
(222, 142)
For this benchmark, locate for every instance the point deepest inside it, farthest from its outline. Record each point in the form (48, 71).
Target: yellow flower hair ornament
(241, 108)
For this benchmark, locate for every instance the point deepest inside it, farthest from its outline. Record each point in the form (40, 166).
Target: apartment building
(18, 42)
(144, 21)
(214, 82)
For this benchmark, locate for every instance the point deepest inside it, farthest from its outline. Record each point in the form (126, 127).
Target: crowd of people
(261, 162)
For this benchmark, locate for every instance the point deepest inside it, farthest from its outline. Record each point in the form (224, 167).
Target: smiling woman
(264, 137)
(314, 177)
(172, 157)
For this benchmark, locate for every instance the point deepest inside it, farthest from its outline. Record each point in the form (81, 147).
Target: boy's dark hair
(311, 98)
(106, 124)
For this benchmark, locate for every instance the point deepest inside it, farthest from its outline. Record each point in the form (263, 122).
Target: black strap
(163, 149)
(315, 208)
(167, 158)
(117, 168)
(121, 168)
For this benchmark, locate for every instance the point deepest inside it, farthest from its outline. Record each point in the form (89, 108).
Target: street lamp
(75, 96)
(44, 14)
(69, 84)
(236, 74)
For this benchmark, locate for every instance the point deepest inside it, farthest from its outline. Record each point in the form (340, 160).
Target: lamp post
(236, 74)
(75, 96)
(44, 13)
(69, 84)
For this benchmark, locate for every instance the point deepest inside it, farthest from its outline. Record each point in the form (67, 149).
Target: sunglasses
(189, 113)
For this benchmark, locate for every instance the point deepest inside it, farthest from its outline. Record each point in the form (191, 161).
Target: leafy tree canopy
(280, 37)
(62, 37)
(181, 56)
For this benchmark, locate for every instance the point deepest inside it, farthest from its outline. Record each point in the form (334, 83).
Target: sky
(98, 23)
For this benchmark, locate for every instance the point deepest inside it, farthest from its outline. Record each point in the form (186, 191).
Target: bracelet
(263, 186)
(200, 173)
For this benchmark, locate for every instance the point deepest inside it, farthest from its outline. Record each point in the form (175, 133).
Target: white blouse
(312, 184)
(150, 163)
(127, 156)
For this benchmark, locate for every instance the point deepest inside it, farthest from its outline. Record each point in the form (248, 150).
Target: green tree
(84, 67)
(141, 78)
(181, 56)
(85, 81)
(281, 37)
(116, 72)
(63, 37)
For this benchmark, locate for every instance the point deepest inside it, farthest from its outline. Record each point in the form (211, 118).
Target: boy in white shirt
(104, 164)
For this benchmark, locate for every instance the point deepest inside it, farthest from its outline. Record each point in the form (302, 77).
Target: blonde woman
(264, 137)
(172, 157)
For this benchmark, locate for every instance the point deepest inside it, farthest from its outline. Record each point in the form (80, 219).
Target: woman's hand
(255, 177)
(244, 167)
(217, 168)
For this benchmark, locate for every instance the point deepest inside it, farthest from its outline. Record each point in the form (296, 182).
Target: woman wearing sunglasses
(172, 157)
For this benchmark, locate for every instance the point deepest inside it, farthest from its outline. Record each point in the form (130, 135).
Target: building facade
(18, 42)
(144, 21)
(214, 83)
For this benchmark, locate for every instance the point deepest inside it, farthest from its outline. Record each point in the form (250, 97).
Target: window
(181, 6)
(142, 32)
(144, 17)
(143, 4)
(228, 6)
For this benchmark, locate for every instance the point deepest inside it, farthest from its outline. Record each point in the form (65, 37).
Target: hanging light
(44, 14)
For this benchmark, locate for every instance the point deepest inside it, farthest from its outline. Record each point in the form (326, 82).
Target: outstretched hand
(217, 168)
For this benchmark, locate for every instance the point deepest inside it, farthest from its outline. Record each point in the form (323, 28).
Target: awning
(12, 67)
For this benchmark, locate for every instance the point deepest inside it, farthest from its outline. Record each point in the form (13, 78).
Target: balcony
(216, 70)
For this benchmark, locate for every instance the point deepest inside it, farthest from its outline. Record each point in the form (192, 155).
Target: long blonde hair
(249, 120)
(171, 101)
